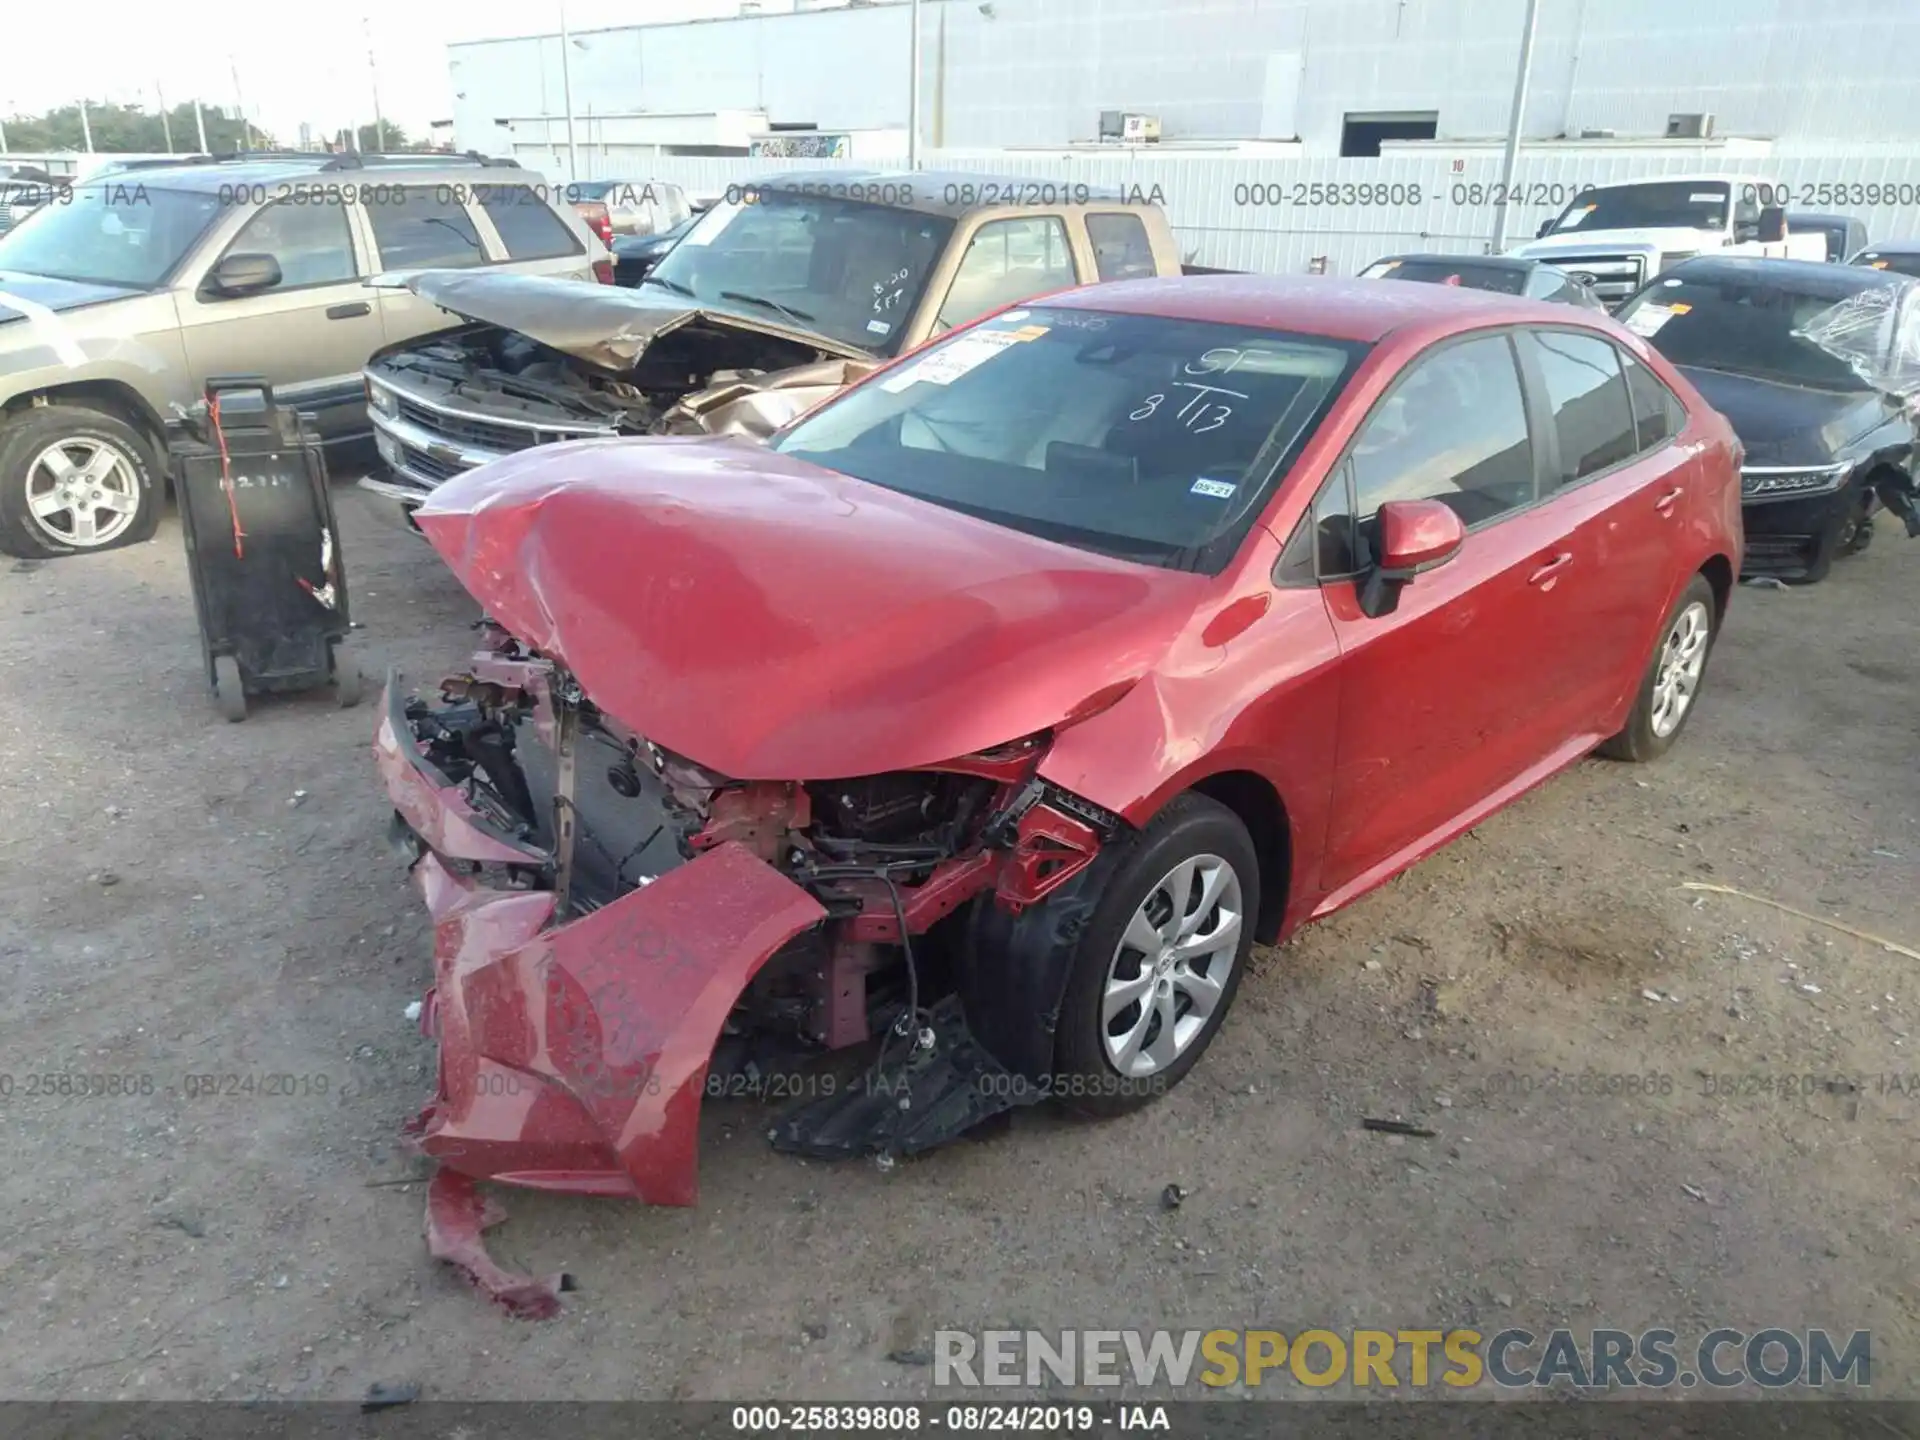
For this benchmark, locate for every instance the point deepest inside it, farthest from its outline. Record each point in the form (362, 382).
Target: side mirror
(1773, 225)
(243, 274)
(1411, 537)
(1545, 226)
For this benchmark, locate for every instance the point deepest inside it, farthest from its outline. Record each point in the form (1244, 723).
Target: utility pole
(379, 125)
(166, 120)
(913, 87)
(566, 92)
(86, 126)
(1512, 157)
(240, 105)
(200, 124)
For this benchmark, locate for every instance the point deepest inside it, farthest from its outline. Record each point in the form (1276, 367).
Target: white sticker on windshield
(1013, 317)
(1218, 489)
(1705, 197)
(713, 222)
(878, 327)
(956, 358)
(1574, 217)
(1647, 320)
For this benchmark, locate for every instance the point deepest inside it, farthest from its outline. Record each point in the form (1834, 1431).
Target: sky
(294, 62)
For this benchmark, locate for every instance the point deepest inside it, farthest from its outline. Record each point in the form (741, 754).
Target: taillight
(603, 271)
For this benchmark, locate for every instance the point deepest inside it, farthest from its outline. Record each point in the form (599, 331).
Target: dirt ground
(168, 910)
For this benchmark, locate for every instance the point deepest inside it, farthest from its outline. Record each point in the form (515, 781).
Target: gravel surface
(181, 897)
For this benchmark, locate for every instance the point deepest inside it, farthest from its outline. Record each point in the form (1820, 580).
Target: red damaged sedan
(989, 714)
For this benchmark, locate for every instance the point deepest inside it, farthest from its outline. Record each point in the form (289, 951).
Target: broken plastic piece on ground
(457, 1214)
(1397, 1127)
(912, 1099)
(382, 1396)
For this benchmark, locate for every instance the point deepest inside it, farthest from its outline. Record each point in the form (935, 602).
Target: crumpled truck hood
(607, 326)
(772, 619)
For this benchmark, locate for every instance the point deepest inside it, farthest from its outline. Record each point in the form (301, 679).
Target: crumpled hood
(774, 620)
(604, 325)
(1780, 424)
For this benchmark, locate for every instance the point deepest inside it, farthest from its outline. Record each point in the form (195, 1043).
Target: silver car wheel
(1169, 971)
(83, 492)
(1683, 656)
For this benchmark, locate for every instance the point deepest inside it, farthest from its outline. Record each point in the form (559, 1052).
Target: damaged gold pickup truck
(778, 297)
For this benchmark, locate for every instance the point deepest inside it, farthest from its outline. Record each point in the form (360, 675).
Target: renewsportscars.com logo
(1512, 1359)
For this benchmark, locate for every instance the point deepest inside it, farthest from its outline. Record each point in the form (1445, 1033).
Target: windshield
(1676, 204)
(1503, 278)
(1137, 436)
(850, 271)
(116, 233)
(1742, 326)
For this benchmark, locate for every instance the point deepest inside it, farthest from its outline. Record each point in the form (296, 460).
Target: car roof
(1337, 308)
(1808, 277)
(220, 175)
(1893, 247)
(926, 191)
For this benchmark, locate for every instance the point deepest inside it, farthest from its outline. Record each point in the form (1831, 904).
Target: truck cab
(1617, 237)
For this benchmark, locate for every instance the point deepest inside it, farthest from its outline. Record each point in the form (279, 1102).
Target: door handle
(1544, 575)
(1667, 501)
(349, 310)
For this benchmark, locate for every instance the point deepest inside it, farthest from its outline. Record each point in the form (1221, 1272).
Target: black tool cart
(269, 585)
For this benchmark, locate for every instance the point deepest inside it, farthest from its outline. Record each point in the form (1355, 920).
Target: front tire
(1672, 683)
(1160, 960)
(73, 481)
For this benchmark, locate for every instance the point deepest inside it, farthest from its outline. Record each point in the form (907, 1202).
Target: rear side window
(1009, 260)
(1121, 250)
(1657, 411)
(1591, 412)
(1454, 429)
(423, 226)
(527, 225)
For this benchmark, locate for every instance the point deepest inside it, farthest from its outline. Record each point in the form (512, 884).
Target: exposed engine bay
(499, 373)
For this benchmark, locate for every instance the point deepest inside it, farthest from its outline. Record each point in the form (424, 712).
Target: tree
(123, 129)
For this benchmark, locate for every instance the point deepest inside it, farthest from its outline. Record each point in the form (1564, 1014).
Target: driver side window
(1008, 260)
(311, 242)
(1453, 429)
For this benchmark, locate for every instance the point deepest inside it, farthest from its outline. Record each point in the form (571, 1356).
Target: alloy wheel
(1169, 971)
(83, 492)
(1683, 657)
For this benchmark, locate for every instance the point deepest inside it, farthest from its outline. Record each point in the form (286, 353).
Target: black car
(1507, 274)
(635, 255)
(1902, 257)
(1822, 444)
(1845, 236)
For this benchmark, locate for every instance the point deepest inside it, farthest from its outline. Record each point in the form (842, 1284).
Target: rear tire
(1671, 685)
(75, 481)
(348, 678)
(228, 691)
(1149, 996)
(1857, 534)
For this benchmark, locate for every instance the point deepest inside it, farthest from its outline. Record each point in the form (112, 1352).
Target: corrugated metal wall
(1278, 215)
(1815, 73)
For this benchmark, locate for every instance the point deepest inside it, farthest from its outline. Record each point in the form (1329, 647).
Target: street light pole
(373, 71)
(1512, 156)
(240, 105)
(200, 124)
(166, 121)
(913, 87)
(86, 127)
(566, 93)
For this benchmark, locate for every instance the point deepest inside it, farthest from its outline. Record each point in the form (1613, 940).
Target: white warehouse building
(1314, 78)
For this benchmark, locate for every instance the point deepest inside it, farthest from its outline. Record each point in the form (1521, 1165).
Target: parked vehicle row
(117, 305)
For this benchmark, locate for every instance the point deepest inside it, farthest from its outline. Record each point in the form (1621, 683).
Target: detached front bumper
(572, 1055)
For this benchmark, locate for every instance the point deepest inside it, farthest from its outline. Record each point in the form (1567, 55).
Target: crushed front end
(619, 932)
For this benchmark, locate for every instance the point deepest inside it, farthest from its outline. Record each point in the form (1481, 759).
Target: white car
(1617, 237)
